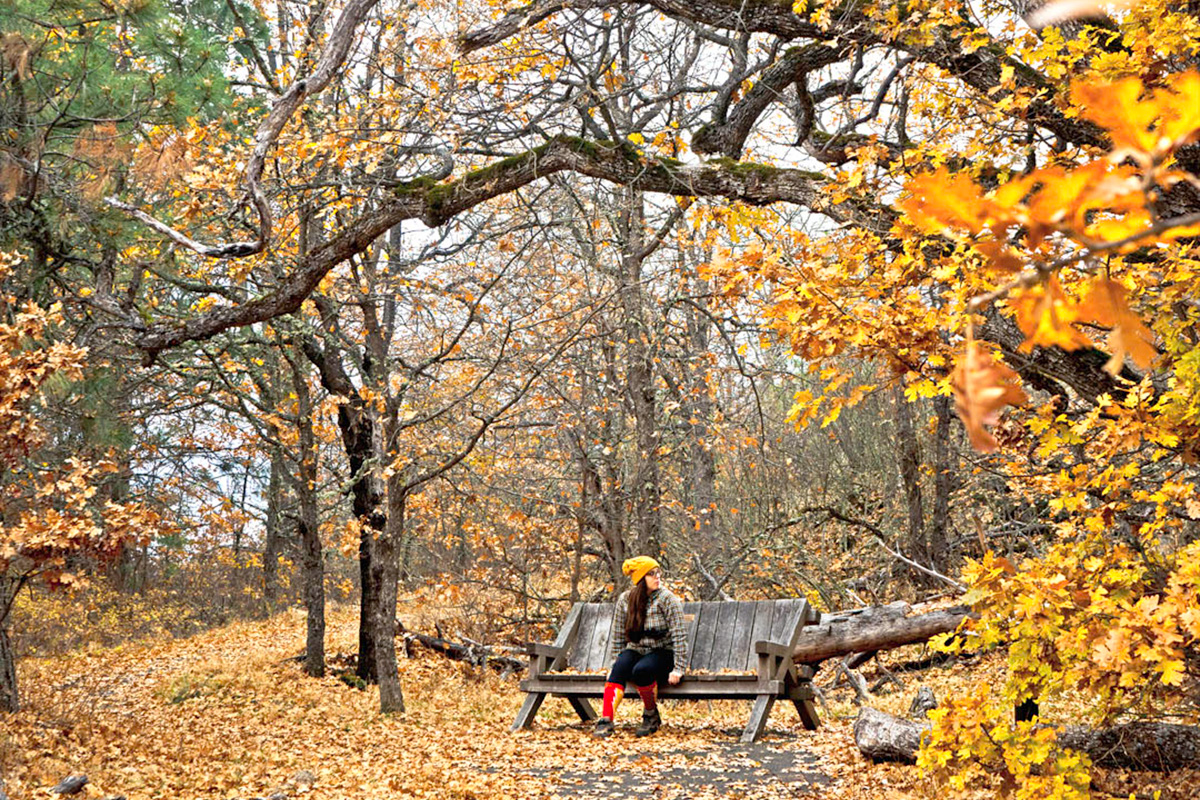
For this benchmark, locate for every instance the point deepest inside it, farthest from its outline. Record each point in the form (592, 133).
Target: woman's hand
(674, 678)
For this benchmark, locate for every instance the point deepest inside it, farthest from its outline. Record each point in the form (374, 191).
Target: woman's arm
(619, 639)
(678, 626)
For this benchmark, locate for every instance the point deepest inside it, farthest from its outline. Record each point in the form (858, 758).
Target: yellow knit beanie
(637, 567)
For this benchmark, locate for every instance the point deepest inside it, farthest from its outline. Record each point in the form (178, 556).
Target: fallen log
(875, 628)
(472, 652)
(70, 784)
(883, 737)
(1149, 746)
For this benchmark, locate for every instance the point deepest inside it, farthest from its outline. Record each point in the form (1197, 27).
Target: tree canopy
(623, 250)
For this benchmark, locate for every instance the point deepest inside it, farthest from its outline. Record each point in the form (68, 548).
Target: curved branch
(729, 138)
(341, 38)
(981, 68)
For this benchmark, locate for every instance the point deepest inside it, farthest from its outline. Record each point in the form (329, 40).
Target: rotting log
(471, 652)
(874, 628)
(1149, 746)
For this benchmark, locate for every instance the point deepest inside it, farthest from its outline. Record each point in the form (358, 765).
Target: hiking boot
(603, 729)
(650, 723)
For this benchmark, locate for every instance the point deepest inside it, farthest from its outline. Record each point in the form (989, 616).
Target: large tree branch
(436, 203)
(1048, 367)
(729, 138)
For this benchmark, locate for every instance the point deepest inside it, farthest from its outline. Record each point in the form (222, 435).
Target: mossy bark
(9, 698)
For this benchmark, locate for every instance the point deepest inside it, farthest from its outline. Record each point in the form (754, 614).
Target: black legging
(642, 670)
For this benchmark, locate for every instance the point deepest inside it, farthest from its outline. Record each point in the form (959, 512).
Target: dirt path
(775, 767)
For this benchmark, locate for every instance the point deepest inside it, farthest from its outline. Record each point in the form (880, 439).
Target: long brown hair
(635, 620)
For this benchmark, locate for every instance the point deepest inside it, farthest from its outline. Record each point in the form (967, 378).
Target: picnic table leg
(583, 708)
(801, 695)
(808, 714)
(533, 701)
(758, 718)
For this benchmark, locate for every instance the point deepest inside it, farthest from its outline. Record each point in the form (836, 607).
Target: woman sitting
(649, 644)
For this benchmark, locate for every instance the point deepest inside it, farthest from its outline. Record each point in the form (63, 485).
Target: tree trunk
(1154, 746)
(472, 653)
(943, 478)
(882, 737)
(358, 428)
(577, 558)
(9, 698)
(274, 537)
(875, 628)
(640, 377)
(908, 454)
(702, 465)
(311, 555)
(386, 568)
(598, 506)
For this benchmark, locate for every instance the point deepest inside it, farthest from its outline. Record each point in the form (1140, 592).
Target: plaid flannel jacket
(664, 611)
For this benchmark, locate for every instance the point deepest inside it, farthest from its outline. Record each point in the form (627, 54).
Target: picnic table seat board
(737, 650)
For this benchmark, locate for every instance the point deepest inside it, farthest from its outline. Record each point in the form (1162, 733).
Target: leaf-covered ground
(227, 713)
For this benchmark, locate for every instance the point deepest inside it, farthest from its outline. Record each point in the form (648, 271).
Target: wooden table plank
(723, 638)
(761, 630)
(736, 657)
(706, 628)
(598, 656)
(700, 690)
(577, 660)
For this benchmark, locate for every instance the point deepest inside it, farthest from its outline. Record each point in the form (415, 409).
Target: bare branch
(332, 57)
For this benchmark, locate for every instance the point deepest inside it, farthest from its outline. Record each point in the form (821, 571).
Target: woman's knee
(645, 674)
(622, 667)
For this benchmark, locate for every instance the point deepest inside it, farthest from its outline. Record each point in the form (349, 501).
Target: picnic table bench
(738, 650)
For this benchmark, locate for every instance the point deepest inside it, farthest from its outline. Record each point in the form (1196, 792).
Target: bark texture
(358, 424)
(1154, 746)
(274, 535)
(311, 558)
(646, 491)
(9, 699)
(943, 480)
(875, 628)
(908, 459)
(882, 737)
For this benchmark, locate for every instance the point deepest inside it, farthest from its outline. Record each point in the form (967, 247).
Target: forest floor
(228, 714)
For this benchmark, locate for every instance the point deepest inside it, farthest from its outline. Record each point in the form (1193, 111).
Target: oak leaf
(982, 387)
(1046, 315)
(1105, 304)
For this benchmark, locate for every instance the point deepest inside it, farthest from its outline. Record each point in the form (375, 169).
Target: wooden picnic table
(737, 650)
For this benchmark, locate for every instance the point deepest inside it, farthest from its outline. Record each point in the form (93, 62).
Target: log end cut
(882, 737)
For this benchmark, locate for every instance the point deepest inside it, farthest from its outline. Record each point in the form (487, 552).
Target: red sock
(649, 696)
(613, 692)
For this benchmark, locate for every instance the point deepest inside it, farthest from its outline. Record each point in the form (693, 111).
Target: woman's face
(654, 579)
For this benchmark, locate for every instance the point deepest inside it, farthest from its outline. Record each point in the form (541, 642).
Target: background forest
(459, 305)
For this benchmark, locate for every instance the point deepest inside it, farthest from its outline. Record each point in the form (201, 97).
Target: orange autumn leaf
(1181, 112)
(982, 387)
(1046, 316)
(1119, 107)
(1105, 304)
(1141, 122)
(1001, 256)
(943, 199)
